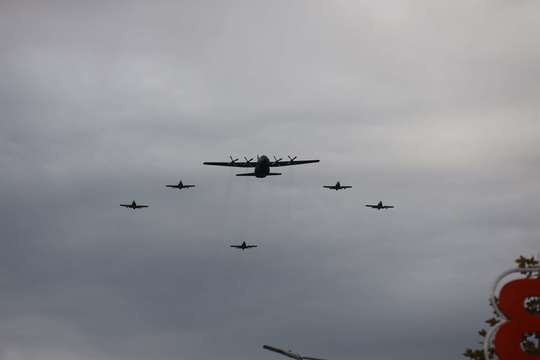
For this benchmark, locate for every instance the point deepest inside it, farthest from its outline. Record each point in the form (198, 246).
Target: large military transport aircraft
(289, 353)
(262, 165)
(180, 186)
(380, 206)
(134, 205)
(336, 187)
(243, 246)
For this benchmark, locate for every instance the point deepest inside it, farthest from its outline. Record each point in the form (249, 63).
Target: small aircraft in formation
(337, 187)
(134, 205)
(289, 353)
(243, 246)
(180, 186)
(380, 206)
(261, 169)
(261, 166)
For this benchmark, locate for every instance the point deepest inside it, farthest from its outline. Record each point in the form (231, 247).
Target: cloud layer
(427, 106)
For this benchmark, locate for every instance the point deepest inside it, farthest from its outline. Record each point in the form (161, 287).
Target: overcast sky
(428, 105)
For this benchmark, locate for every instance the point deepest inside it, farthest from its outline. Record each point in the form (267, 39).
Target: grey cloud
(430, 107)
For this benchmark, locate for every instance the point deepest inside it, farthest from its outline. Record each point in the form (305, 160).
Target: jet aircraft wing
(279, 351)
(387, 207)
(125, 205)
(311, 358)
(372, 206)
(251, 246)
(329, 186)
(188, 186)
(292, 162)
(236, 246)
(140, 206)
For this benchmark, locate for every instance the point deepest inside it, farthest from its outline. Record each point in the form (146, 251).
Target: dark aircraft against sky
(243, 246)
(380, 206)
(261, 166)
(336, 187)
(134, 205)
(289, 353)
(180, 186)
(261, 169)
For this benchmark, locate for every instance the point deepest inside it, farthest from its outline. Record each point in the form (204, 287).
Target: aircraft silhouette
(180, 186)
(289, 353)
(262, 165)
(134, 205)
(243, 246)
(380, 206)
(336, 187)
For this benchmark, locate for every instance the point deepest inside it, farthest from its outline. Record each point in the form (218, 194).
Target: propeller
(277, 160)
(232, 160)
(248, 161)
(292, 158)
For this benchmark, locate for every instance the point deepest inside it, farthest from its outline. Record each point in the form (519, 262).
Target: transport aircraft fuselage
(262, 168)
